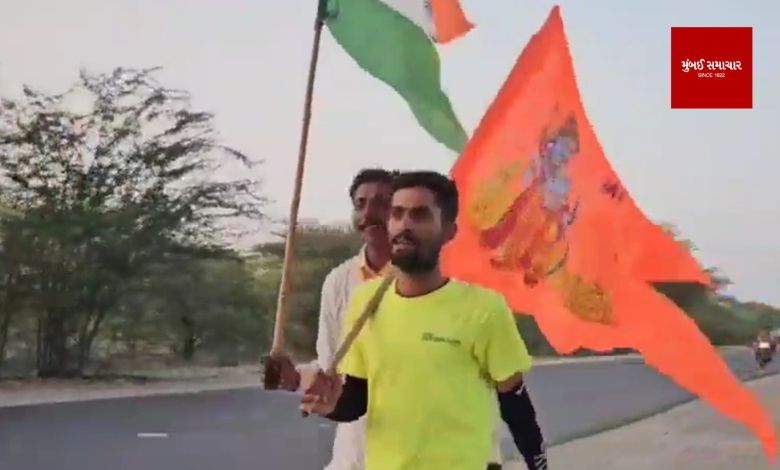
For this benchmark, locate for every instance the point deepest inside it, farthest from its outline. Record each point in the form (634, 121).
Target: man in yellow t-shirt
(425, 367)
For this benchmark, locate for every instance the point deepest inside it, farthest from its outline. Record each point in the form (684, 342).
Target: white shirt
(350, 439)
(349, 443)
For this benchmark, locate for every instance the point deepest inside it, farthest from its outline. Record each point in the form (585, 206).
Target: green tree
(724, 319)
(211, 304)
(110, 177)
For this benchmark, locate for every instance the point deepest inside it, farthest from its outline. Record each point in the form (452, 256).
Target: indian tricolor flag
(395, 41)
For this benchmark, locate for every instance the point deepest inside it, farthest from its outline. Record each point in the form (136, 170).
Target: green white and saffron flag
(395, 41)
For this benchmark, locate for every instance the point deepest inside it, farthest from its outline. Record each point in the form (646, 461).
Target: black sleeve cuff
(518, 413)
(353, 401)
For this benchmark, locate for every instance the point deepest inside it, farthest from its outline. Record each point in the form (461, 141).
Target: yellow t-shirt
(432, 363)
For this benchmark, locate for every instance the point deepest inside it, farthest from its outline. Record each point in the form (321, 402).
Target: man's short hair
(371, 175)
(442, 187)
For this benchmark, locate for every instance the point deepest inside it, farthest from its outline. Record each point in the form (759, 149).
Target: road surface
(252, 429)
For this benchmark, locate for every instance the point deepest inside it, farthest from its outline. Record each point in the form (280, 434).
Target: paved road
(252, 429)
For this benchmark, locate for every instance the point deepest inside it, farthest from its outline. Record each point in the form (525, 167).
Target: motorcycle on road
(764, 352)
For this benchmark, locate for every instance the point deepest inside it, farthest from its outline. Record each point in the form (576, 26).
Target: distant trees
(722, 318)
(115, 234)
(115, 181)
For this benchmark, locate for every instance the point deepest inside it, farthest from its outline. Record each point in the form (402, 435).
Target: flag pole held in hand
(368, 312)
(277, 346)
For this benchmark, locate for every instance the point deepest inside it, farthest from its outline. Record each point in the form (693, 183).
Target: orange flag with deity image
(545, 221)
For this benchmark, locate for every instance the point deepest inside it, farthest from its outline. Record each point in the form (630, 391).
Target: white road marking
(146, 435)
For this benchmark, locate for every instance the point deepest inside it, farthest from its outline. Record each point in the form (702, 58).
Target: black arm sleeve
(518, 413)
(353, 401)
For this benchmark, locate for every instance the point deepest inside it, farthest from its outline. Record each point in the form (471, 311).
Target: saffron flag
(395, 42)
(545, 221)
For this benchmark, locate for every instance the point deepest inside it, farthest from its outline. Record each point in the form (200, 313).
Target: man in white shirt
(371, 194)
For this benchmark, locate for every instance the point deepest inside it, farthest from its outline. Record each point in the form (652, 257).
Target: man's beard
(417, 261)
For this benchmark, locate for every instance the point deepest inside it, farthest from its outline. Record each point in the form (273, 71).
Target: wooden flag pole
(277, 346)
(368, 311)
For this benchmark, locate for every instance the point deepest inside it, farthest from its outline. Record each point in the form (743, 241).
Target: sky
(709, 172)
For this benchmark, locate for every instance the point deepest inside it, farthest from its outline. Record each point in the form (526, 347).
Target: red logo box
(712, 67)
